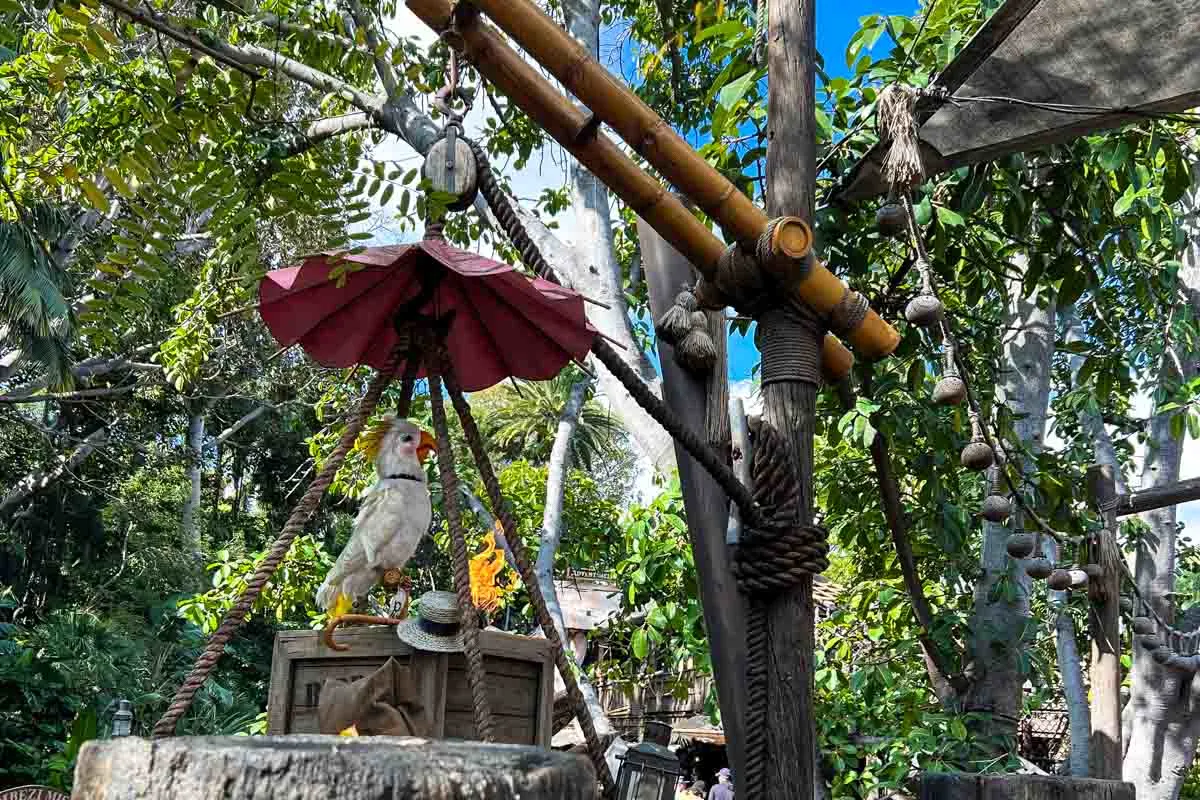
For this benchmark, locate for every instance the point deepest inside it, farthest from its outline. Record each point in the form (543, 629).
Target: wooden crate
(520, 673)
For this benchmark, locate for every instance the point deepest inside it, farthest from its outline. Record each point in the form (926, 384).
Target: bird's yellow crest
(372, 438)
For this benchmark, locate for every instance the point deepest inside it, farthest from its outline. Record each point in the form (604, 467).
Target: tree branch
(159, 23)
(67, 397)
(241, 423)
(37, 481)
(273, 21)
(948, 685)
(386, 76)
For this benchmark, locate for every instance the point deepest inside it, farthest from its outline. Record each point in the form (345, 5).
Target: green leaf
(94, 195)
(1125, 202)
(733, 92)
(948, 217)
(641, 646)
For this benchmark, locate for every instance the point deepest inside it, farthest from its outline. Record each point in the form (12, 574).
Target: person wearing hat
(437, 625)
(724, 788)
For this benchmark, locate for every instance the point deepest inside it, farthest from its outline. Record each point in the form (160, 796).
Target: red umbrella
(503, 325)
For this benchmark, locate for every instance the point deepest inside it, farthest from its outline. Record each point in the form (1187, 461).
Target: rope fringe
(896, 118)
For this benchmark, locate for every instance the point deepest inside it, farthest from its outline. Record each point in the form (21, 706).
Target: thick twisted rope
(525, 567)
(770, 558)
(300, 516)
(476, 674)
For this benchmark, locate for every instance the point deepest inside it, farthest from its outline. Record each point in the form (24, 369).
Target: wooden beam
(551, 110)
(704, 501)
(1160, 497)
(653, 138)
(1104, 628)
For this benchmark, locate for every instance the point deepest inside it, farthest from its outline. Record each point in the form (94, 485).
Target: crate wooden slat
(520, 673)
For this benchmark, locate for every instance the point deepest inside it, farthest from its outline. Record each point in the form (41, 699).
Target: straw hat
(437, 626)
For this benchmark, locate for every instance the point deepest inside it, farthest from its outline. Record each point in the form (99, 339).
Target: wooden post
(789, 404)
(326, 768)
(1104, 628)
(705, 502)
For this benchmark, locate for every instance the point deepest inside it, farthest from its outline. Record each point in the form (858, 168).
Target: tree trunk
(789, 400)
(1001, 615)
(592, 267)
(1070, 667)
(552, 532)
(195, 473)
(1164, 704)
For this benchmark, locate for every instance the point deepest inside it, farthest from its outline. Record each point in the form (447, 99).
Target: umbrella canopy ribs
(790, 260)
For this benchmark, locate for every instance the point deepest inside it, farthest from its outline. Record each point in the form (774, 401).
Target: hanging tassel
(697, 351)
(676, 321)
(896, 119)
(758, 56)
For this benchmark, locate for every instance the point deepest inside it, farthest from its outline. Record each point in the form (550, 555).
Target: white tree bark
(1163, 715)
(593, 269)
(551, 538)
(1000, 623)
(195, 473)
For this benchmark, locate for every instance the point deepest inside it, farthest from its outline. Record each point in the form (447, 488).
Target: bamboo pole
(636, 123)
(571, 128)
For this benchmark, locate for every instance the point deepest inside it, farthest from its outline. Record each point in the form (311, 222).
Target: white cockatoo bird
(395, 514)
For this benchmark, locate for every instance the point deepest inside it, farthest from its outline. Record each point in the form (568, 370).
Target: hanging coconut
(1021, 545)
(923, 310)
(1059, 580)
(1126, 604)
(1162, 655)
(950, 391)
(890, 219)
(996, 508)
(676, 321)
(1039, 568)
(1143, 625)
(697, 351)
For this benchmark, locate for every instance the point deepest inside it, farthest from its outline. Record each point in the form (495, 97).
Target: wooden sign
(1111, 61)
(32, 793)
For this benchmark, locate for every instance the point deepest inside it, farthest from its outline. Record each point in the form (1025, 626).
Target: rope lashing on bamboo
(502, 512)
(697, 447)
(299, 517)
(849, 313)
(476, 674)
(770, 559)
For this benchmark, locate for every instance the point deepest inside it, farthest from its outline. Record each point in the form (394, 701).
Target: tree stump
(965, 786)
(326, 768)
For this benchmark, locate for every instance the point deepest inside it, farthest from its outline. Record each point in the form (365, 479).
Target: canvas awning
(1124, 59)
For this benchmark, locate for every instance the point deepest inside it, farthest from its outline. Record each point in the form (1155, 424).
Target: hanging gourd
(1041, 567)
(1144, 626)
(951, 389)
(890, 218)
(925, 309)
(1020, 545)
(977, 455)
